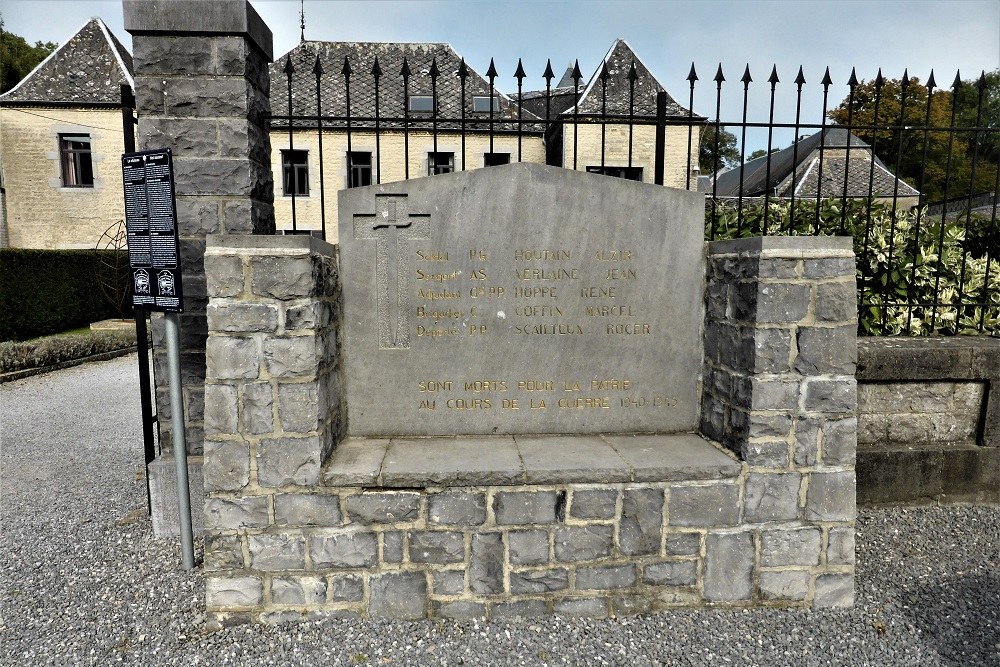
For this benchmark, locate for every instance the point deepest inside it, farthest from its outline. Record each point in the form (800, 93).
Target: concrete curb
(38, 370)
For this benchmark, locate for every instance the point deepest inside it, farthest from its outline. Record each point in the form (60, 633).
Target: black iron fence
(881, 164)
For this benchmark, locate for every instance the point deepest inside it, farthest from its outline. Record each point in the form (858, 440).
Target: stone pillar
(780, 390)
(201, 87)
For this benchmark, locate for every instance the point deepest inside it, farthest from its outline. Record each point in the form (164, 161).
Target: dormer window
(481, 103)
(420, 103)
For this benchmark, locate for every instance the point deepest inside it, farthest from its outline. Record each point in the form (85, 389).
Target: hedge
(49, 291)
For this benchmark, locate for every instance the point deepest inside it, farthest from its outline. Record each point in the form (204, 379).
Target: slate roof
(804, 157)
(87, 70)
(361, 56)
(619, 60)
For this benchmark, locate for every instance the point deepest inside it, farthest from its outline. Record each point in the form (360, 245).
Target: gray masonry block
(460, 609)
(831, 351)
(525, 507)
(297, 356)
(448, 582)
(258, 408)
(605, 578)
(704, 506)
(303, 590)
(288, 461)
(683, 544)
(226, 465)
(220, 409)
(583, 543)
(680, 573)
(528, 547)
(236, 513)
(283, 277)
(436, 547)
(773, 394)
(277, 551)
(642, 522)
(233, 591)
(840, 546)
(829, 268)
(581, 607)
(223, 552)
(309, 316)
(807, 430)
(462, 509)
(836, 302)
(232, 358)
(766, 454)
(383, 507)
(398, 596)
(293, 509)
(729, 561)
(346, 588)
(771, 497)
(831, 395)
(593, 504)
(834, 591)
(392, 547)
(840, 441)
(236, 317)
(300, 408)
(355, 548)
(782, 303)
(799, 546)
(486, 564)
(538, 581)
(784, 585)
(519, 608)
(831, 496)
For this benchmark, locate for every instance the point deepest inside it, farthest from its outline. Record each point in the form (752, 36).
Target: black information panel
(151, 222)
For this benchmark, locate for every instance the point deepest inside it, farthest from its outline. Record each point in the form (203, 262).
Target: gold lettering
(434, 385)
(621, 274)
(598, 292)
(541, 255)
(629, 329)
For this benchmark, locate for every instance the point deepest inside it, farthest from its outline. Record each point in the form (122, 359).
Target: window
(440, 163)
(76, 160)
(494, 159)
(423, 103)
(481, 103)
(628, 173)
(359, 169)
(294, 173)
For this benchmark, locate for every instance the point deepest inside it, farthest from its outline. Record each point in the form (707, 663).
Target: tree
(18, 58)
(947, 169)
(760, 152)
(728, 155)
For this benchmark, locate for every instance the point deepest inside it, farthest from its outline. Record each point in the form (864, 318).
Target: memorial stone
(522, 299)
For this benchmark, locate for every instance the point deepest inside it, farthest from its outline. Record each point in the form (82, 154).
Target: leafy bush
(48, 291)
(18, 355)
(917, 274)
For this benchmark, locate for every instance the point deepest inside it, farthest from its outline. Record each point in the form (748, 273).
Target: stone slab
(163, 496)
(507, 460)
(178, 17)
(459, 461)
(556, 459)
(654, 458)
(355, 462)
(521, 299)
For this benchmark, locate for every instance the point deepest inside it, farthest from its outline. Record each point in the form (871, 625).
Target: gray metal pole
(180, 446)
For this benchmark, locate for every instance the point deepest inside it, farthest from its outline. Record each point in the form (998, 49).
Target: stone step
(405, 462)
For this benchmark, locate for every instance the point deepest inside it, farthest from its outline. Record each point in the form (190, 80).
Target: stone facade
(75, 217)
(293, 533)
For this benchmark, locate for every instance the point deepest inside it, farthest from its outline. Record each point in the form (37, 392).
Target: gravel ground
(83, 582)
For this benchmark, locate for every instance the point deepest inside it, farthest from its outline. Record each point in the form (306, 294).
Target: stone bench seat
(407, 462)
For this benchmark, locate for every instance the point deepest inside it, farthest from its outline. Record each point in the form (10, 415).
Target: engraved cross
(389, 227)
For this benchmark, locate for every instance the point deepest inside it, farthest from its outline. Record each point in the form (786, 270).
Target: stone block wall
(293, 534)
(201, 86)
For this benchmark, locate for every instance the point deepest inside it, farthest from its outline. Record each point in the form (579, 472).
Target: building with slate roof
(797, 169)
(433, 143)
(61, 142)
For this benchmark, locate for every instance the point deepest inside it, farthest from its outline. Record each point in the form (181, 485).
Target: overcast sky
(946, 35)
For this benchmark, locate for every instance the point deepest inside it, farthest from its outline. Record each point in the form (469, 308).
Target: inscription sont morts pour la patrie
(521, 299)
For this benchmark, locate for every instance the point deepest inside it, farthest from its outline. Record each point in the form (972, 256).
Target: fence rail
(873, 166)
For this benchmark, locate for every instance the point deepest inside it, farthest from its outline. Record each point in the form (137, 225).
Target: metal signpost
(154, 257)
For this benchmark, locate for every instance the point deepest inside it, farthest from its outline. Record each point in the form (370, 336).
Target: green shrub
(898, 261)
(48, 291)
(18, 355)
